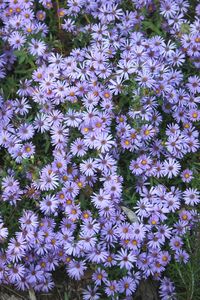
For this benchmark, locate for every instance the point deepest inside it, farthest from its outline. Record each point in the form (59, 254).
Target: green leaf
(153, 27)
(66, 296)
(22, 58)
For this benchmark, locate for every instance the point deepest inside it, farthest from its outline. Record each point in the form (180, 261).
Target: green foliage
(187, 276)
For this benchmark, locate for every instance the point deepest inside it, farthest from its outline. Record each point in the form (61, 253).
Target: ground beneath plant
(147, 290)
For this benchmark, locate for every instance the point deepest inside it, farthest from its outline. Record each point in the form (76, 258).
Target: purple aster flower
(104, 142)
(16, 248)
(71, 189)
(177, 58)
(194, 84)
(75, 269)
(78, 147)
(124, 230)
(48, 179)
(193, 144)
(15, 273)
(167, 289)
(16, 40)
(110, 260)
(111, 288)
(73, 212)
(185, 215)
(181, 256)
(154, 241)
(168, 8)
(186, 175)
(99, 276)
(91, 293)
(90, 227)
(164, 258)
(35, 274)
(180, 227)
(113, 187)
(46, 285)
(40, 15)
(10, 184)
(145, 79)
(176, 243)
(88, 167)
(25, 88)
(164, 232)
(97, 255)
(194, 115)
(125, 69)
(138, 231)
(22, 106)
(28, 149)
(22, 284)
(3, 232)
(106, 164)
(127, 285)
(109, 233)
(87, 242)
(49, 205)
(171, 168)
(25, 132)
(101, 200)
(125, 259)
(191, 196)
(37, 47)
(29, 220)
(40, 123)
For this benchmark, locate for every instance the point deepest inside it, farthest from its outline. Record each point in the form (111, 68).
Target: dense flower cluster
(116, 111)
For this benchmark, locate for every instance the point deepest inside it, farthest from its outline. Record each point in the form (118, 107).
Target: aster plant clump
(99, 142)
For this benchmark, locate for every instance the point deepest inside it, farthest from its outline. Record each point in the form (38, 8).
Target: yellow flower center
(61, 196)
(28, 149)
(194, 115)
(85, 215)
(164, 258)
(106, 95)
(147, 132)
(134, 242)
(127, 143)
(61, 13)
(184, 217)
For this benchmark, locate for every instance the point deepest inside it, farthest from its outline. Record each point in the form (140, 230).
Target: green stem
(87, 19)
(192, 282)
(58, 7)
(180, 274)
